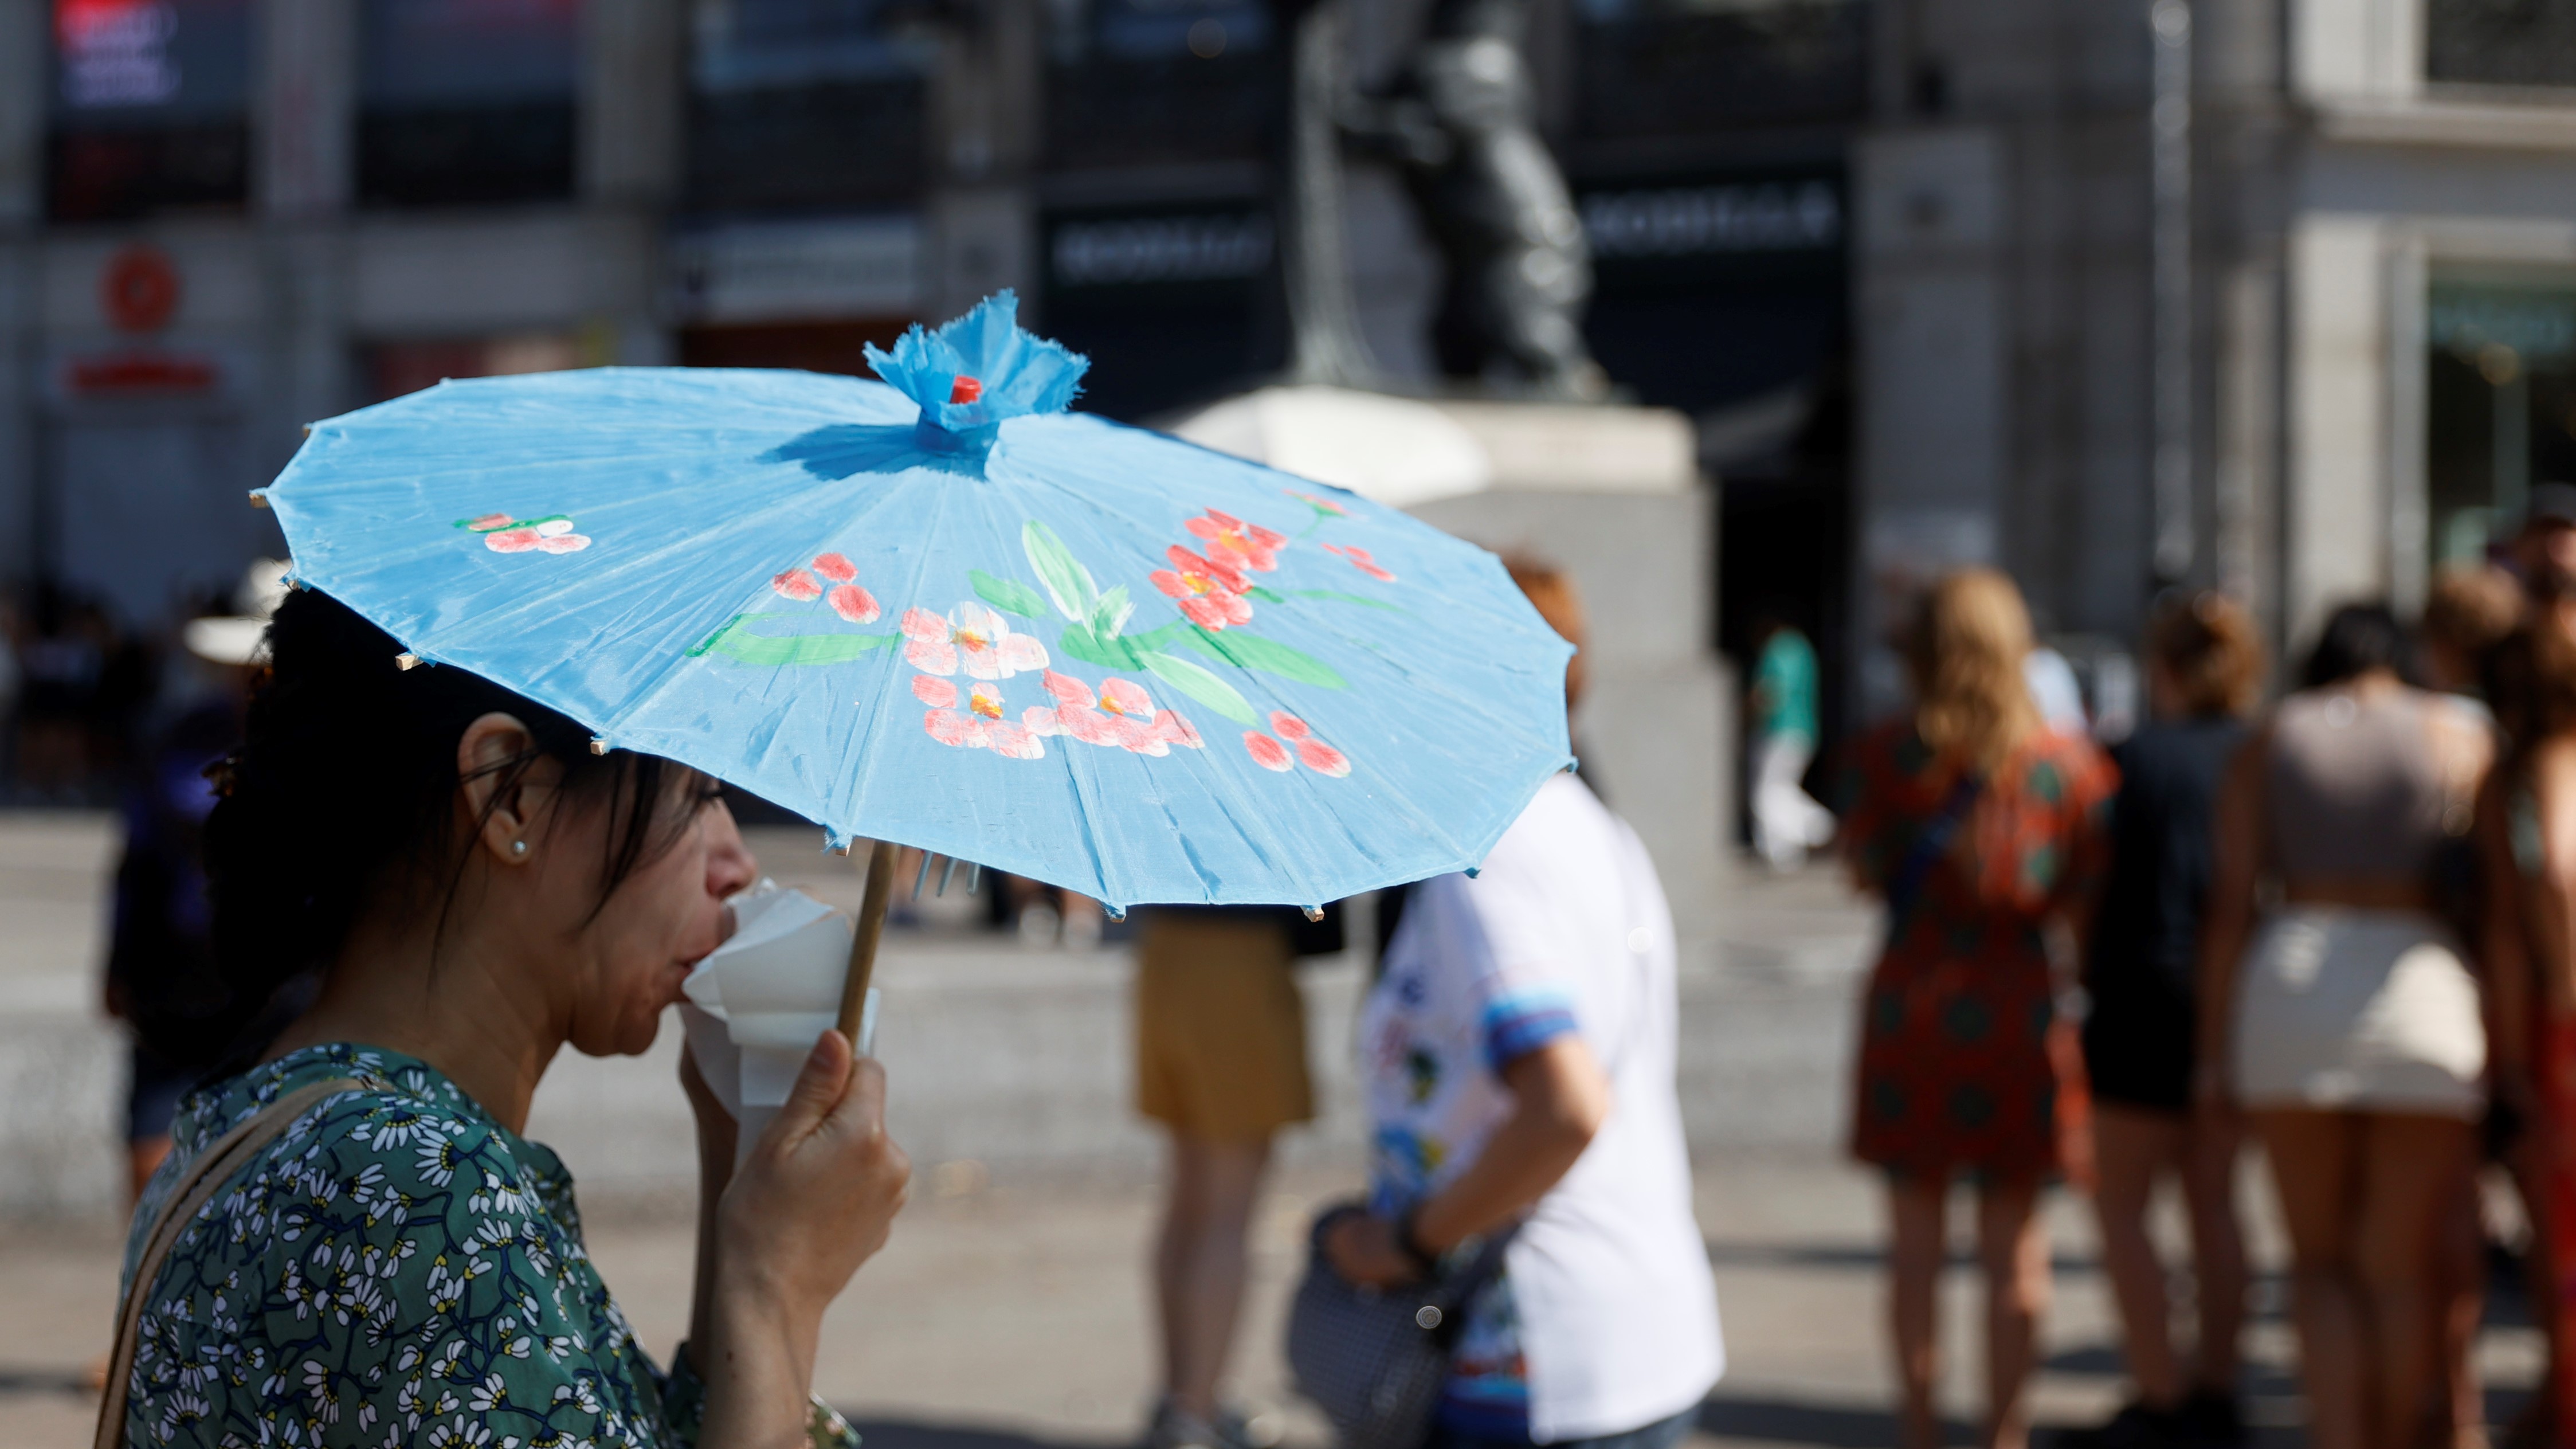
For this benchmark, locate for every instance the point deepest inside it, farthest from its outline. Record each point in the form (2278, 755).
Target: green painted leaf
(1251, 651)
(1090, 648)
(1262, 595)
(1008, 595)
(1341, 598)
(1067, 582)
(776, 651)
(1109, 612)
(1200, 685)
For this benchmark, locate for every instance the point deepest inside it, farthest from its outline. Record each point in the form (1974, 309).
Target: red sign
(139, 289)
(141, 374)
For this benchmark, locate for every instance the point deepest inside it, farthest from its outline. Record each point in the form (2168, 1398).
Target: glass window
(2500, 42)
(2501, 409)
(150, 107)
(802, 103)
(467, 102)
(1161, 81)
(1656, 68)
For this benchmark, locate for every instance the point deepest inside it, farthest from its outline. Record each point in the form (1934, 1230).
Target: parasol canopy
(942, 611)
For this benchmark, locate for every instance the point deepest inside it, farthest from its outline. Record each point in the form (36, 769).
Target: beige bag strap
(203, 1179)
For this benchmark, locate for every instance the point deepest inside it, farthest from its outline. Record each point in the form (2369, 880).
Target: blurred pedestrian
(2469, 610)
(2203, 667)
(1517, 1054)
(2543, 551)
(1981, 828)
(1780, 743)
(161, 977)
(59, 676)
(394, 1261)
(2527, 857)
(2352, 1028)
(1221, 1065)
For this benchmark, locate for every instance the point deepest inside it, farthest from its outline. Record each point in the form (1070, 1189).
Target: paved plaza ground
(1008, 1311)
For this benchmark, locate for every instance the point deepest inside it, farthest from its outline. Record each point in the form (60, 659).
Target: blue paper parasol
(947, 613)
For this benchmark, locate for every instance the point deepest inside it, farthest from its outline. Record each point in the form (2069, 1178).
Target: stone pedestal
(1612, 494)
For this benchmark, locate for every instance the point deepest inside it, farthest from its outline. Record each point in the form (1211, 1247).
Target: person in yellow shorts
(1221, 1064)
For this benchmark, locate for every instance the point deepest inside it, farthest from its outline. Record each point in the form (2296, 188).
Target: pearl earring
(518, 849)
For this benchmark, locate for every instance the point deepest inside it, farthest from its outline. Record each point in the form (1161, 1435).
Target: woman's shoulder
(397, 1093)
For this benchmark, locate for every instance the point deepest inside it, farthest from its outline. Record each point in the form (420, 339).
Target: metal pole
(863, 941)
(2169, 21)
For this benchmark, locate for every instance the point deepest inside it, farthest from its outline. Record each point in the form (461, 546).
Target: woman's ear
(498, 783)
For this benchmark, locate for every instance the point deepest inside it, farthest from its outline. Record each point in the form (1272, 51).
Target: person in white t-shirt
(1518, 1059)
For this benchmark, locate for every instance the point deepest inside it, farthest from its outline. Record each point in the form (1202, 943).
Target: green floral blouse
(397, 1268)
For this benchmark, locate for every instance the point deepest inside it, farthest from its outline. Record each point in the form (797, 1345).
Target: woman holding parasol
(476, 891)
(537, 618)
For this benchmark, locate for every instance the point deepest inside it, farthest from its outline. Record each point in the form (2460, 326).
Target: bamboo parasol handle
(863, 941)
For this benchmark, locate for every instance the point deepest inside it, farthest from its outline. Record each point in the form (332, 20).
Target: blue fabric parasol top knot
(976, 371)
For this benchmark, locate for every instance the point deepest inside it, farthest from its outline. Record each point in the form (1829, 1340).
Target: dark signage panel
(149, 107)
(467, 102)
(803, 104)
(1170, 305)
(1162, 82)
(1709, 290)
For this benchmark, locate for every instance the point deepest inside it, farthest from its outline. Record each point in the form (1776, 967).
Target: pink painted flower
(1230, 540)
(980, 725)
(852, 603)
(504, 534)
(1360, 560)
(1323, 758)
(973, 636)
(836, 567)
(1118, 714)
(1317, 756)
(932, 690)
(1325, 504)
(1210, 594)
(796, 584)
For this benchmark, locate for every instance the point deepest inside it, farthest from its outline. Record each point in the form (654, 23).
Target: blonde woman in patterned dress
(458, 889)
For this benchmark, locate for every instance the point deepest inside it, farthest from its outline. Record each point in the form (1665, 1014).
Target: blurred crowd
(2336, 928)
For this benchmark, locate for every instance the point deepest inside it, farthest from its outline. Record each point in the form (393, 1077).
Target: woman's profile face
(628, 963)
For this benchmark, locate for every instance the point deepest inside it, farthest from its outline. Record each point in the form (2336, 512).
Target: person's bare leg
(2455, 1400)
(2217, 1251)
(2012, 1243)
(2131, 1149)
(1202, 1260)
(2315, 1174)
(1916, 1242)
(2410, 1171)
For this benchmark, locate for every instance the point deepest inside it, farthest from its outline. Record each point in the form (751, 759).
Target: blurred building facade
(2277, 294)
(2272, 294)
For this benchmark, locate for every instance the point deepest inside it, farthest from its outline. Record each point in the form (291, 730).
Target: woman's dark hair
(2207, 646)
(342, 798)
(2357, 639)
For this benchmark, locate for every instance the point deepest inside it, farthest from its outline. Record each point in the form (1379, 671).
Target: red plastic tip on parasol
(965, 390)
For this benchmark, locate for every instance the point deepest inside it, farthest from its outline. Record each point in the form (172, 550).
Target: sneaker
(2134, 1427)
(2212, 1417)
(1173, 1427)
(1176, 1428)
(1038, 926)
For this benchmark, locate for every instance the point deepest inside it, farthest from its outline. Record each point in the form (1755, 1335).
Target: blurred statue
(1461, 123)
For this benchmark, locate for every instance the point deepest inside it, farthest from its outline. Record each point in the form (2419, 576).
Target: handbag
(1375, 1359)
(203, 1177)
